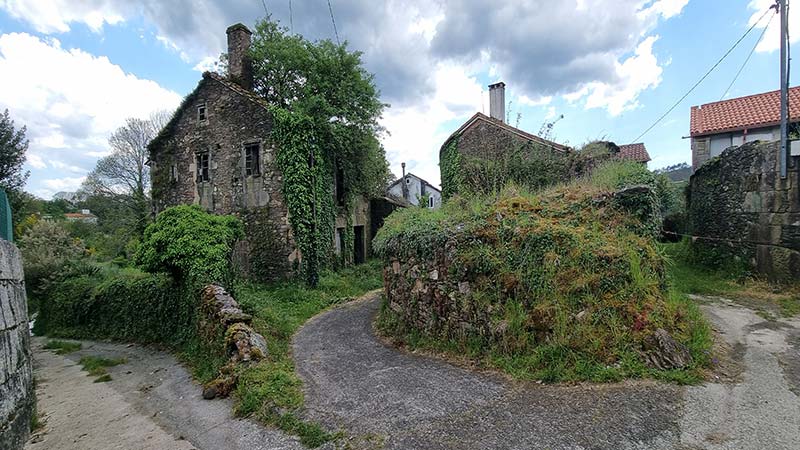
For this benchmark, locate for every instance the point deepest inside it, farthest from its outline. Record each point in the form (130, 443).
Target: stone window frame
(201, 177)
(248, 171)
(202, 112)
(173, 172)
(431, 202)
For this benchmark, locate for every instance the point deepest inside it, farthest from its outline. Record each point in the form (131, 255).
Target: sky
(72, 71)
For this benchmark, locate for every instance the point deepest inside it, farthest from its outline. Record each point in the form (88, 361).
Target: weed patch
(62, 347)
(96, 366)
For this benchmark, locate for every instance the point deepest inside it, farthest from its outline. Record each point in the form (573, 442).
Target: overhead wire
(675, 105)
(333, 21)
(749, 55)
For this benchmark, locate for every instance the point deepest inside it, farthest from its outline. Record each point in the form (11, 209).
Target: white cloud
(772, 40)
(56, 16)
(56, 164)
(209, 63)
(637, 73)
(35, 161)
(666, 8)
(539, 101)
(415, 135)
(70, 100)
(53, 185)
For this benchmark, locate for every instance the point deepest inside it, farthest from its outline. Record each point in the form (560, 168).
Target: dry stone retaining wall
(16, 381)
(740, 206)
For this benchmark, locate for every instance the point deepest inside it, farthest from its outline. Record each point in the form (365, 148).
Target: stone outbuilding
(217, 152)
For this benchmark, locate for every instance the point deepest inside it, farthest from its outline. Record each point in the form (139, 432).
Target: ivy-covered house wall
(484, 154)
(741, 209)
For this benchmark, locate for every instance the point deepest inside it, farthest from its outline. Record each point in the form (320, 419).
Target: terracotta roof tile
(634, 152)
(753, 111)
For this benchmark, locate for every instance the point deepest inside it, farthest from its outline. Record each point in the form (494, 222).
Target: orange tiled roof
(634, 152)
(753, 111)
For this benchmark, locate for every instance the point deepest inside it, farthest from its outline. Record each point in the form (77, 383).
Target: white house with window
(415, 190)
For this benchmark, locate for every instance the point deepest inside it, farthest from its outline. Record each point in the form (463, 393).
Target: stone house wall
(740, 201)
(231, 121)
(17, 398)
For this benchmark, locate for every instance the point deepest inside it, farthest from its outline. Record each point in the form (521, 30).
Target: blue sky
(73, 71)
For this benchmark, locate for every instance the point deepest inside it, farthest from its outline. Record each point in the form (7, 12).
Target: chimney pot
(497, 101)
(240, 67)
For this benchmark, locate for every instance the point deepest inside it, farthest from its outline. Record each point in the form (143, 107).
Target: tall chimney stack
(404, 183)
(497, 101)
(240, 67)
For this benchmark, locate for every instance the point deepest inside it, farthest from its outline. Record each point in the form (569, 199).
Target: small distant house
(217, 152)
(634, 152)
(413, 189)
(84, 216)
(717, 126)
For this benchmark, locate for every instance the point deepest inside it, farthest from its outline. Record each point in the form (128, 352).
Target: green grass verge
(766, 298)
(96, 366)
(62, 347)
(270, 391)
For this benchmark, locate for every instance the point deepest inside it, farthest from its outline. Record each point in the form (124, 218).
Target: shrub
(47, 248)
(190, 244)
(120, 304)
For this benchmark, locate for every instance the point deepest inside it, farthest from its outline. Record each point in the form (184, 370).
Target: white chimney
(497, 101)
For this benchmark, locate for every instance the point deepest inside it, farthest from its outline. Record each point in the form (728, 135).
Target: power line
(264, 4)
(702, 78)
(748, 58)
(291, 18)
(330, 8)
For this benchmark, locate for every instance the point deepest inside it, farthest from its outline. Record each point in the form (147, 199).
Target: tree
(123, 178)
(327, 83)
(13, 145)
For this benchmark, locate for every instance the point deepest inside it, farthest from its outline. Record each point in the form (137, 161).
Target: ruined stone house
(216, 152)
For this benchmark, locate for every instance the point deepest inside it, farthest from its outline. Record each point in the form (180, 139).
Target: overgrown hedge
(563, 284)
(126, 305)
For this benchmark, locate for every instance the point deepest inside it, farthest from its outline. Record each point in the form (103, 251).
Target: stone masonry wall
(232, 120)
(740, 201)
(16, 381)
(426, 296)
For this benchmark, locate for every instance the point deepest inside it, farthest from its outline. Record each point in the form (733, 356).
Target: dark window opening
(359, 250)
(339, 185)
(201, 113)
(252, 159)
(173, 172)
(203, 172)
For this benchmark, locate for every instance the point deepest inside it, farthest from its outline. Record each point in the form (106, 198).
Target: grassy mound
(565, 284)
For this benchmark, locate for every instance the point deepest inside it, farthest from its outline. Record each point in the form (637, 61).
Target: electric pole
(783, 156)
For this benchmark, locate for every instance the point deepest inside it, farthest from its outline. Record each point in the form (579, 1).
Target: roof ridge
(745, 97)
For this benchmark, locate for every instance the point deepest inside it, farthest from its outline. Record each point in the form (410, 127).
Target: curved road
(395, 400)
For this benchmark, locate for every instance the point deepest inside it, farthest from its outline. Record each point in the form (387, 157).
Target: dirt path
(151, 403)
(354, 382)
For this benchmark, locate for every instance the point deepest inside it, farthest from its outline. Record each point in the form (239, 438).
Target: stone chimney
(497, 101)
(240, 67)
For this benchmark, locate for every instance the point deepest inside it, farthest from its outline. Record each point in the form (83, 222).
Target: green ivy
(449, 165)
(307, 189)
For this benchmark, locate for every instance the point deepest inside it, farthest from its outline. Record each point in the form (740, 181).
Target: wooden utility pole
(784, 157)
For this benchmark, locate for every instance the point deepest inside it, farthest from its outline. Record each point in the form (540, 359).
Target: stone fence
(16, 381)
(739, 206)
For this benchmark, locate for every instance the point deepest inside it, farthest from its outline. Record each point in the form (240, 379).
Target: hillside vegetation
(562, 284)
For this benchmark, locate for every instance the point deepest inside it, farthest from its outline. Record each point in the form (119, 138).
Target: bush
(47, 248)
(120, 304)
(190, 244)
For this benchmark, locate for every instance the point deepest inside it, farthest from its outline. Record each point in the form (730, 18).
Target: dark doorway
(358, 245)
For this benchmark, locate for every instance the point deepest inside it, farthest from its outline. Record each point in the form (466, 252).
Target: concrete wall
(16, 380)
(739, 200)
